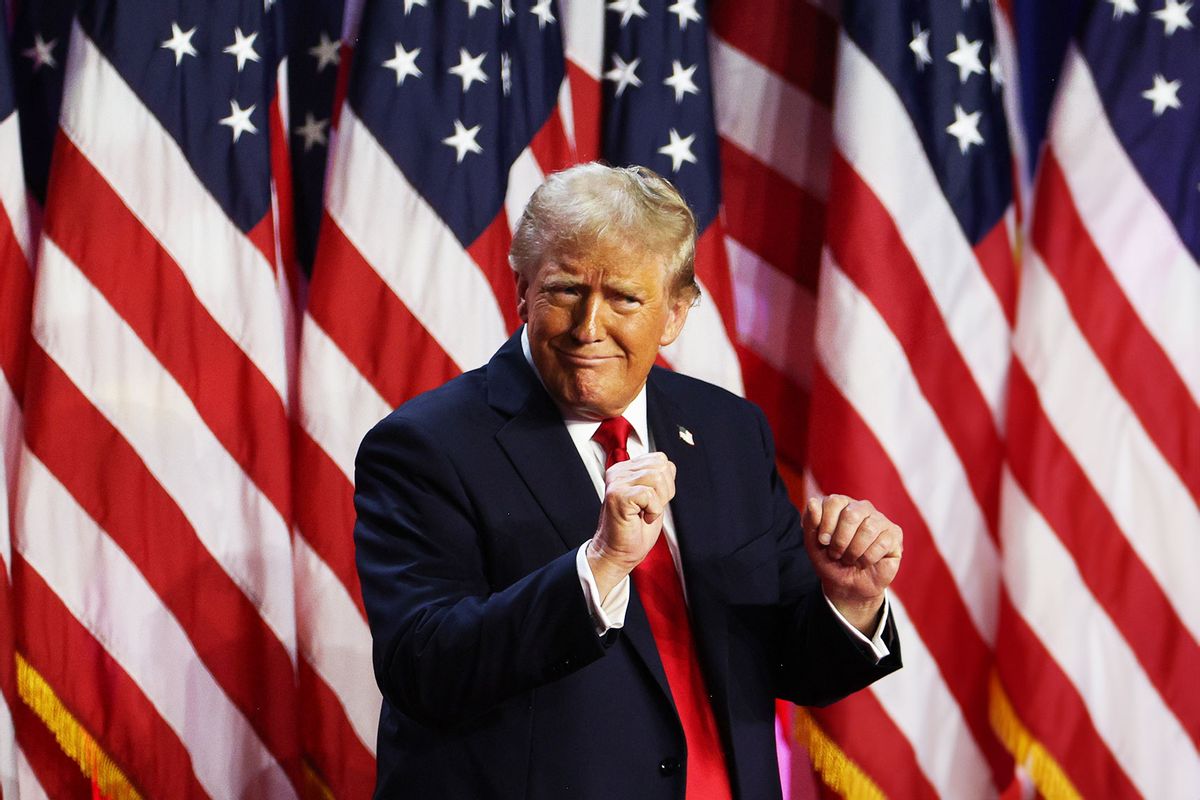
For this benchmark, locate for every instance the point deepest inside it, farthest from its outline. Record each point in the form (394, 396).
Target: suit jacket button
(668, 766)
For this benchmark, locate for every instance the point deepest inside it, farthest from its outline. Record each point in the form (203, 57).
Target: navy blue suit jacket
(472, 502)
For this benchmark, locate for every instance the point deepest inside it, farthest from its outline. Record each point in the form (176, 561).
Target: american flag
(1100, 524)
(912, 349)
(186, 613)
(152, 561)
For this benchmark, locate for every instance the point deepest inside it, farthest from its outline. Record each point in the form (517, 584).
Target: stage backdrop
(950, 247)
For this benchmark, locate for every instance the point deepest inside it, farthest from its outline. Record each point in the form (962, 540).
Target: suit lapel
(699, 545)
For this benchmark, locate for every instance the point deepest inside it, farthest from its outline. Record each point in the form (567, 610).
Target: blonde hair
(589, 203)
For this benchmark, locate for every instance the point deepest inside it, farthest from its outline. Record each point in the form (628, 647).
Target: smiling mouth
(583, 360)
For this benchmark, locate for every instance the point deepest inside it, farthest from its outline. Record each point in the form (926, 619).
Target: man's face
(596, 321)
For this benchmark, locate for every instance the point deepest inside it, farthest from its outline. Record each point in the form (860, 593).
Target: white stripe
(524, 177)
(336, 641)
(704, 350)
(103, 589)
(566, 112)
(868, 366)
(111, 366)
(753, 105)
(583, 34)
(12, 184)
(337, 404)
(877, 137)
(919, 702)
(1048, 591)
(9, 752)
(421, 260)
(142, 163)
(1146, 497)
(775, 315)
(1132, 232)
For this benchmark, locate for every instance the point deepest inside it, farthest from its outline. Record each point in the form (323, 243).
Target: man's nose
(589, 319)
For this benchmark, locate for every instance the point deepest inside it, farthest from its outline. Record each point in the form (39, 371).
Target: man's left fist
(856, 552)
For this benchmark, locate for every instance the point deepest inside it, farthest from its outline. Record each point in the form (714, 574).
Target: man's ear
(677, 315)
(522, 288)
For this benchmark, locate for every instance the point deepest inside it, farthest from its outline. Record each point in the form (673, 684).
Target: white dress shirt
(609, 612)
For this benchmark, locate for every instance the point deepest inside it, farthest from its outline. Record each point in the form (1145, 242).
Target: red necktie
(661, 593)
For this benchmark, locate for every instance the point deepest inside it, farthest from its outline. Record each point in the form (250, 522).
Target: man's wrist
(862, 614)
(607, 571)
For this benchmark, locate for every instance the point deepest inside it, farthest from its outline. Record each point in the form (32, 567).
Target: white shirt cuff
(608, 613)
(876, 642)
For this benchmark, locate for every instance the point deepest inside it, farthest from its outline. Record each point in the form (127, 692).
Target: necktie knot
(613, 436)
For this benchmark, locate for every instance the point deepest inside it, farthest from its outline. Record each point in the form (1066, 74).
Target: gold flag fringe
(1047, 775)
(314, 787)
(836, 769)
(72, 737)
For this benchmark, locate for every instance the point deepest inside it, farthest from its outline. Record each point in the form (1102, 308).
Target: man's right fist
(636, 494)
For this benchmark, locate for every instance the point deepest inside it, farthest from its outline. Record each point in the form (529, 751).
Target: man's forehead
(618, 263)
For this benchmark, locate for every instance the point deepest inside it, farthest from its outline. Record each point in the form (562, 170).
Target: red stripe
(712, 268)
(793, 39)
(550, 147)
(58, 775)
(490, 252)
(334, 750)
(847, 458)
(1055, 714)
(868, 737)
(783, 401)
(147, 288)
(861, 234)
(108, 479)
(281, 176)
(369, 323)
(325, 511)
(998, 264)
(780, 222)
(343, 83)
(1135, 362)
(1112, 570)
(585, 112)
(16, 294)
(98, 692)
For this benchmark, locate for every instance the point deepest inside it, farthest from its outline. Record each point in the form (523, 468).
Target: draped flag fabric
(912, 348)
(190, 368)
(1099, 643)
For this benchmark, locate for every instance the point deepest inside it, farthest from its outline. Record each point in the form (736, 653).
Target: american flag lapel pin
(686, 435)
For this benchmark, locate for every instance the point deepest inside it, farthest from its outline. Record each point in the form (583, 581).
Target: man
(547, 627)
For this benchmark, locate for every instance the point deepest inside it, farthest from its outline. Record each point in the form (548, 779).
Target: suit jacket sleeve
(447, 645)
(819, 660)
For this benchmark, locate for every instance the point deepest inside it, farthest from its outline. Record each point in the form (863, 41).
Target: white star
(475, 5)
(966, 57)
(1123, 7)
(919, 45)
(624, 74)
(686, 11)
(628, 9)
(965, 128)
(1174, 15)
(681, 80)
(996, 70)
(180, 43)
(408, 5)
(1164, 94)
(543, 13)
(239, 120)
(463, 140)
(679, 150)
(505, 74)
(506, 11)
(313, 131)
(469, 68)
(242, 48)
(404, 63)
(327, 52)
(42, 53)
